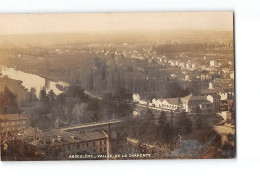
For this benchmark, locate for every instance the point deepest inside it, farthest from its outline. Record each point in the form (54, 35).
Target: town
(180, 84)
(96, 95)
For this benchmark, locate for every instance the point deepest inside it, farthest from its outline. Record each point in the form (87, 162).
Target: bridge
(95, 125)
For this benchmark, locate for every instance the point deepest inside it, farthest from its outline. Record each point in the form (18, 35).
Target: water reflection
(33, 81)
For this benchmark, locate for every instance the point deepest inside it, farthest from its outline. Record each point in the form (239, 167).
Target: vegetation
(159, 133)
(8, 104)
(73, 106)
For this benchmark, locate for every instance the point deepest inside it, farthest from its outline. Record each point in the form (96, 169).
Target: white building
(136, 98)
(212, 63)
(167, 103)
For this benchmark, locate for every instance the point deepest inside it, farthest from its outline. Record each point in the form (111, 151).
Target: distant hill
(131, 37)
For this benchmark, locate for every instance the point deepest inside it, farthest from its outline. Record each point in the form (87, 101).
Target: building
(199, 103)
(63, 144)
(185, 102)
(215, 100)
(226, 105)
(167, 103)
(212, 63)
(13, 122)
(136, 98)
(226, 115)
(221, 83)
(193, 103)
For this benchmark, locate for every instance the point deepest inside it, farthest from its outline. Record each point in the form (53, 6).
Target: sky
(99, 22)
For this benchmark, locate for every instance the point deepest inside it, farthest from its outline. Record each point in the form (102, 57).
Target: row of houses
(190, 103)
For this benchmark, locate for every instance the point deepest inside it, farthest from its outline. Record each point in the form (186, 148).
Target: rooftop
(198, 98)
(58, 136)
(215, 95)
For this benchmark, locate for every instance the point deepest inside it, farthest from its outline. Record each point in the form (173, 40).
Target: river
(32, 80)
(37, 82)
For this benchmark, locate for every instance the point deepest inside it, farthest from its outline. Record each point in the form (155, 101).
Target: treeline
(167, 132)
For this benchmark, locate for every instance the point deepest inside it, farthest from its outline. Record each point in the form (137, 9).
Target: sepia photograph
(117, 86)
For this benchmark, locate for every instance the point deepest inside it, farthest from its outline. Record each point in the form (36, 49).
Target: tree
(43, 94)
(79, 113)
(75, 91)
(197, 110)
(171, 119)
(174, 89)
(8, 102)
(30, 97)
(149, 115)
(201, 124)
(183, 125)
(123, 96)
(162, 120)
(51, 97)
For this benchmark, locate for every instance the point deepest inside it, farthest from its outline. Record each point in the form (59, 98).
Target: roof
(12, 117)
(215, 95)
(198, 98)
(58, 136)
(174, 101)
(210, 91)
(205, 102)
(186, 98)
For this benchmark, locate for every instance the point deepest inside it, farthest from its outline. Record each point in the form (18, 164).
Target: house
(212, 63)
(226, 105)
(156, 103)
(199, 103)
(137, 99)
(193, 103)
(185, 102)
